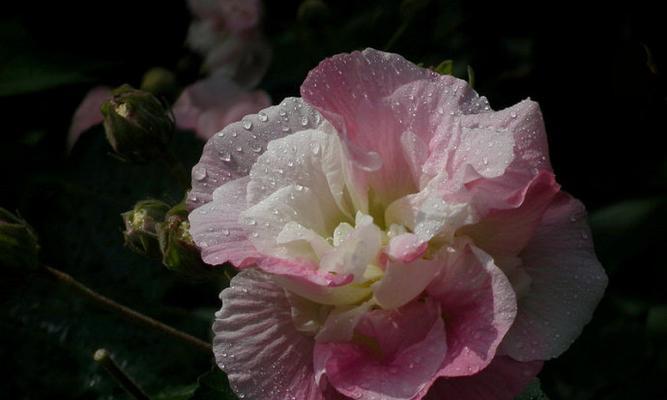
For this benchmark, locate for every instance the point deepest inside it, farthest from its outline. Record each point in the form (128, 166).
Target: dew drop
(513, 114)
(256, 149)
(226, 157)
(199, 173)
(304, 121)
(247, 124)
(262, 116)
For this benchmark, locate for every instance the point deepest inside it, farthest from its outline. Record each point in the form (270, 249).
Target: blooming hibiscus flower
(398, 239)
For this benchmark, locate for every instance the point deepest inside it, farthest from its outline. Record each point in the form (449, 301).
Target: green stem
(103, 358)
(126, 312)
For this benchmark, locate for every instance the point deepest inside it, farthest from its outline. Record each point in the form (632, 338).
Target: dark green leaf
(213, 385)
(533, 392)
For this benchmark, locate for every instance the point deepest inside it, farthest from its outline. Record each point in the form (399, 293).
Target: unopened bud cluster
(159, 231)
(137, 125)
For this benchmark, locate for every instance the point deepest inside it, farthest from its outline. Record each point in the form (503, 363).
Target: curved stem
(126, 312)
(103, 358)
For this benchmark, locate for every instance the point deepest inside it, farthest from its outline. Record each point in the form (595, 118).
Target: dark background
(598, 72)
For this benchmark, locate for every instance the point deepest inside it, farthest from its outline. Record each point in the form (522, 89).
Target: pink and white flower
(212, 103)
(398, 239)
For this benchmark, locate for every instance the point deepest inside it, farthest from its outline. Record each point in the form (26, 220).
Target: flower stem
(126, 312)
(103, 358)
(176, 169)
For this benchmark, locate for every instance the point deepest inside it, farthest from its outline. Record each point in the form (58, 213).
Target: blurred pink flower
(398, 239)
(88, 113)
(211, 104)
(235, 16)
(227, 35)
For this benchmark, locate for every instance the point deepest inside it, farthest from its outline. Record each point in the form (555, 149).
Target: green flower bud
(137, 125)
(313, 11)
(140, 227)
(19, 248)
(161, 82)
(179, 252)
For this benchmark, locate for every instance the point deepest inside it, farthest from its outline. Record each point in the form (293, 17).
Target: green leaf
(533, 392)
(471, 77)
(656, 321)
(27, 68)
(213, 385)
(445, 68)
(177, 393)
(76, 212)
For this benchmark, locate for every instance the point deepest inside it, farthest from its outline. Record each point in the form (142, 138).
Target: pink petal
(503, 379)
(402, 282)
(505, 232)
(490, 156)
(257, 344)
(221, 159)
(373, 98)
(205, 9)
(406, 247)
(397, 358)
(478, 304)
(215, 227)
(88, 113)
(243, 58)
(567, 282)
(211, 104)
(302, 271)
(241, 15)
(213, 120)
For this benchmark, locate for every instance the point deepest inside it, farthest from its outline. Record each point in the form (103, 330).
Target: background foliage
(598, 73)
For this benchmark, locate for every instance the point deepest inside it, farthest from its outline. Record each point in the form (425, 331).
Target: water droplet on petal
(247, 124)
(199, 173)
(262, 116)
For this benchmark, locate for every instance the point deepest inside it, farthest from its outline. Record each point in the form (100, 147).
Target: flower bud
(179, 252)
(161, 82)
(19, 248)
(137, 125)
(140, 227)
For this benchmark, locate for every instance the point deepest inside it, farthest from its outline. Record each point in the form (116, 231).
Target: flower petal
(567, 282)
(216, 230)
(373, 98)
(479, 306)
(257, 345)
(490, 156)
(402, 282)
(397, 358)
(503, 379)
(230, 153)
(505, 232)
(311, 158)
(88, 113)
